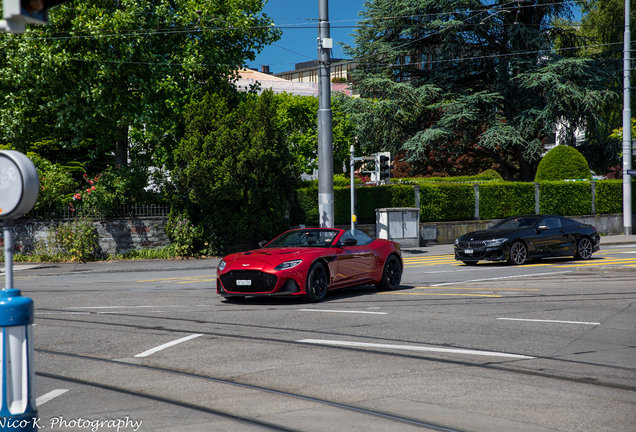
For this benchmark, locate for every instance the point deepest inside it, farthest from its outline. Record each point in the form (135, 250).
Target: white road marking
(503, 277)
(550, 321)
(343, 311)
(412, 348)
(50, 395)
(167, 345)
(133, 307)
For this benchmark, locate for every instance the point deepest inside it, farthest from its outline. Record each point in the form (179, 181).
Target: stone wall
(115, 235)
(121, 235)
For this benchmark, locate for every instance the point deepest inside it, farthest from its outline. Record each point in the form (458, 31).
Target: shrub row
(304, 209)
(455, 202)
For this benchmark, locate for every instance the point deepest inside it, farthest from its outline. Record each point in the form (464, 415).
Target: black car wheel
(584, 249)
(391, 275)
(518, 253)
(317, 283)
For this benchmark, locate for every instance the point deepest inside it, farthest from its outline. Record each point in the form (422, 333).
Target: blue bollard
(18, 411)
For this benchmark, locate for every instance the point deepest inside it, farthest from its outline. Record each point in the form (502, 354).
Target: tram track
(267, 425)
(500, 365)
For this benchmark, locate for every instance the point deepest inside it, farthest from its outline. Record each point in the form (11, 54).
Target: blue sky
(299, 21)
(298, 44)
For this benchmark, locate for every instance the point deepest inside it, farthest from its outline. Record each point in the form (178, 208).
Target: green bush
(565, 198)
(57, 185)
(442, 202)
(563, 163)
(501, 200)
(75, 241)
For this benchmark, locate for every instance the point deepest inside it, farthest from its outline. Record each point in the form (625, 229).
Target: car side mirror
(262, 243)
(350, 242)
(542, 228)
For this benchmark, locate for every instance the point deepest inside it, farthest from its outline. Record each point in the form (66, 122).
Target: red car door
(355, 262)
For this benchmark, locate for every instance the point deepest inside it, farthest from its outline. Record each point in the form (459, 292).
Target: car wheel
(584, 249)
(391, 275)
(317, 283)
(470, 262)
(518, 253)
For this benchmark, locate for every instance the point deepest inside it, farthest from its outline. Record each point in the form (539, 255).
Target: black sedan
(521, 238)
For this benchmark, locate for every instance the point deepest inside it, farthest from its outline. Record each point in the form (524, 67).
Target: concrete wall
(447, 232)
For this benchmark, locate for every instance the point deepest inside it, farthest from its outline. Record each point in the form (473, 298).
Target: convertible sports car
(308, 262)
(520, 238)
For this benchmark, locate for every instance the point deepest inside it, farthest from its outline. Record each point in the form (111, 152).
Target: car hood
(268, 257)
(492, 233)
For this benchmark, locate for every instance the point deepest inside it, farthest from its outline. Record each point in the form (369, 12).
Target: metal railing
(130, 211)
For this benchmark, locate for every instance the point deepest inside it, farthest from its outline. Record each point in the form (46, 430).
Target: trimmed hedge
(305, 207)
(609, 196)
(565, 198)
(456, 202)
(501, 200)
(442, 202)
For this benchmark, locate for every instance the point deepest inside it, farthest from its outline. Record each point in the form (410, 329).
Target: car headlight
(456, 241)
(495, 242)
(221, 265)
(288, 264)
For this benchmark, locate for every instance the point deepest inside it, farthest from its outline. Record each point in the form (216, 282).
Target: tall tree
(234, 172)
(104, 73)
(475, 77)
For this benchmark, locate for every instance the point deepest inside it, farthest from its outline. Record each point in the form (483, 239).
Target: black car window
(519, 222)
(551, 222)
(566, 222)
(361, 237)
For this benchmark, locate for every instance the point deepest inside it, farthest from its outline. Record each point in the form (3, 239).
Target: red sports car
(308, 262)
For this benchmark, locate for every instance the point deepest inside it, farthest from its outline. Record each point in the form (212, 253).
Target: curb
(128, 270)
(606, 269)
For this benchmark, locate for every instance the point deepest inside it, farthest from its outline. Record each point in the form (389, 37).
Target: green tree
(234, 173)
(476, 77)
(105, 73)
(299, 118)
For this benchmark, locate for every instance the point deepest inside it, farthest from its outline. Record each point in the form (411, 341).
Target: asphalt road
(149, 346)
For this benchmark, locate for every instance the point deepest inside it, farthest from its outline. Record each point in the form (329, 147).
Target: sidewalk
(123, 266)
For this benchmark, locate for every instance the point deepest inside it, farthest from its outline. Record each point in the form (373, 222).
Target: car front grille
(260, 282)
(471, 244)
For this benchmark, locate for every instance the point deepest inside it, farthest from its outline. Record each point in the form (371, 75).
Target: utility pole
(325, 125)
(627, 126)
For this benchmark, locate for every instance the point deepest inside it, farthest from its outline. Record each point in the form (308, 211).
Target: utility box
(399, 224)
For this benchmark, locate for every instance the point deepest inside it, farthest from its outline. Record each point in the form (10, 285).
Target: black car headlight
(288, 264)
(222, 265)
(495, 242)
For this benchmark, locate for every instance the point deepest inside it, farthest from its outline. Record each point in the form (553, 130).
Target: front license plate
(243, 282)
(468, 251)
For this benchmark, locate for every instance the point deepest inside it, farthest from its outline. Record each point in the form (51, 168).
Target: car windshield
(519, 222)
(304, 238)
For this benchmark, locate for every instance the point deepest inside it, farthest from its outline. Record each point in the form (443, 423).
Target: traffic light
(383, 167)
(28, 11)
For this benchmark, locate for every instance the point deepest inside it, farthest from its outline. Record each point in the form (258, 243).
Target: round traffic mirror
(19, 184)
